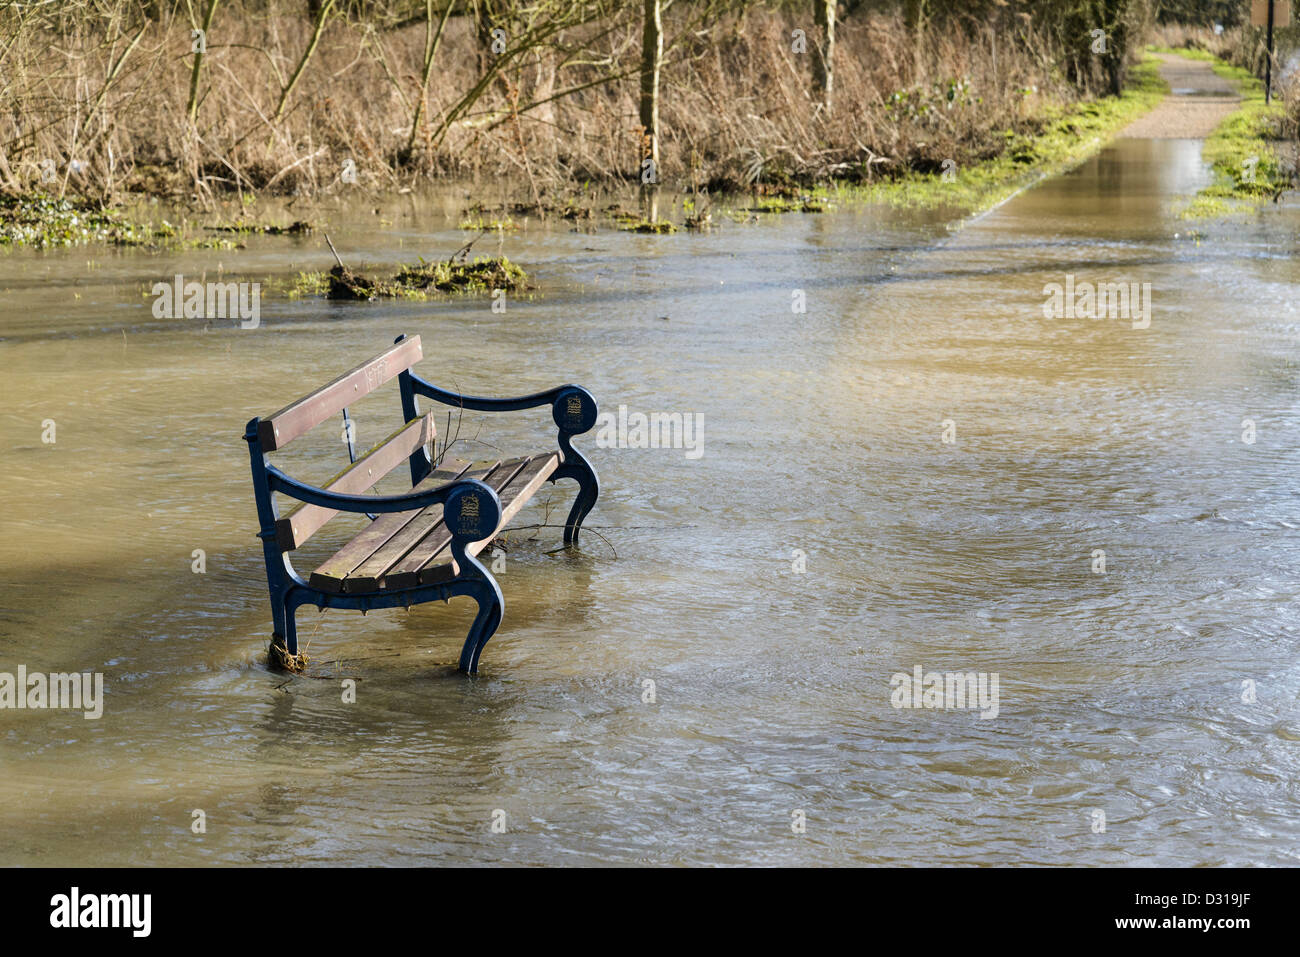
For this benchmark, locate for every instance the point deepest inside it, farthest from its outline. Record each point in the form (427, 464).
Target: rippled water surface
(823, 435)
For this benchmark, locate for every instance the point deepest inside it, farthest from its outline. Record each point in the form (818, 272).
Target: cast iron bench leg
(284, 638)
(491, 606)
(478, 584)
(577, 467)
(471, 516)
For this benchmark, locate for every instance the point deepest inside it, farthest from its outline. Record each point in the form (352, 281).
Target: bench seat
(405, 549)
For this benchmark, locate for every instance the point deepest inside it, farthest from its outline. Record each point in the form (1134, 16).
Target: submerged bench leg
(283, 652)
(577, 467)
(472, 513)
(491, 606)
(478, 583)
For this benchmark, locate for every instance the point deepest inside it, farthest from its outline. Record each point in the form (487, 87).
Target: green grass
(1207, 207)
(1067, 136)
(307, 285)
(780, 204)
(1187, 53)
(1241, 151)
(40, 221)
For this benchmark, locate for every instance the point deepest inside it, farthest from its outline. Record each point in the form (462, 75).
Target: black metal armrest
(572, 407)
(313, 495)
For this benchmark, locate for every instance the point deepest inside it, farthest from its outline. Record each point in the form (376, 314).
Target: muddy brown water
(823, 435)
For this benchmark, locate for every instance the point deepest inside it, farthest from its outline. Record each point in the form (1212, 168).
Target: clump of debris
(483, 274)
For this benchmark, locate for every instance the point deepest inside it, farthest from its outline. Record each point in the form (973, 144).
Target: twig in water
(524, 528)
(464, 250)
(336, 253)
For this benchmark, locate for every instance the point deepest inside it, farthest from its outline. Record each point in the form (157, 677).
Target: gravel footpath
(1200, 101)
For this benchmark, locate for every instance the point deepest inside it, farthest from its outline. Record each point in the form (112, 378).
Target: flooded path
(1201, 100)
(918, 471)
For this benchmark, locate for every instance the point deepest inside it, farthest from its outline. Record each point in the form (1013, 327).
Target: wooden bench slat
(305, 520)
(330, 575)
(278, 430)
(404, 573)
(367, 576)
(513, 498)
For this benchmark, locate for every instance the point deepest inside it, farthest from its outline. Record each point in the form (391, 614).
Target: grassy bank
(1244, 151)
(1058, 135)
(1062, 136)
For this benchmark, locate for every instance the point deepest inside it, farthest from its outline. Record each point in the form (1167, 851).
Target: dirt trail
(1200, 101)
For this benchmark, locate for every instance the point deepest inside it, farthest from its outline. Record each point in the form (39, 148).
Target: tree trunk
(192, 108)
(652, 53)
(288, 89)
(1117, 16)
(824, 55)
(432, 40)
(915, 13)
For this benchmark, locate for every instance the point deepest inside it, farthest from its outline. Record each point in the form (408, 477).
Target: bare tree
(824, 56)
(201, 43)
(287, 90)
(652, 55)
(915, 15)
(432, 39)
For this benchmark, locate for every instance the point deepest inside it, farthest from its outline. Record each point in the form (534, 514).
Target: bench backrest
(298, 418)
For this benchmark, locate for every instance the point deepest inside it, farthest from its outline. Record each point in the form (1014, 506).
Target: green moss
(1067, 135)
(1207, 207)
(297, 228)
(426, 279)
(659, 227)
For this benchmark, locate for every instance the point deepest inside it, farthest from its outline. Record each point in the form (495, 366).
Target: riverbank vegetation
(921, 101)
(196, 97)
(41, 221)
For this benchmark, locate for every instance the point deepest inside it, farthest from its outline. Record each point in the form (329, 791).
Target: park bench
(421, 545)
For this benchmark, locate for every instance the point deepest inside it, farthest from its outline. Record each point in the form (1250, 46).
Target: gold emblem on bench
(469, 515)
(573, 409)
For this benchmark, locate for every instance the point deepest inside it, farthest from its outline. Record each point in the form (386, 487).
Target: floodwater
(918, 471)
